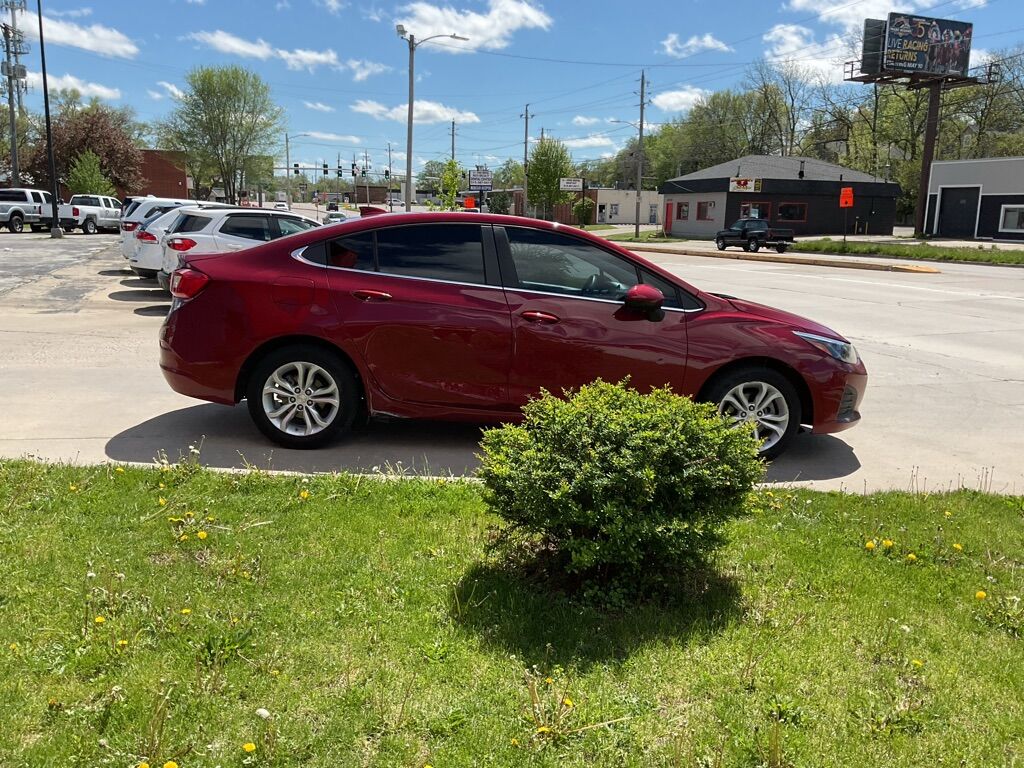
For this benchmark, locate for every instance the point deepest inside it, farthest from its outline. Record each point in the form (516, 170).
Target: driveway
(944, 408)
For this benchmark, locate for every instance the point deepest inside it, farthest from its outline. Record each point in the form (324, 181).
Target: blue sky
(341, 72)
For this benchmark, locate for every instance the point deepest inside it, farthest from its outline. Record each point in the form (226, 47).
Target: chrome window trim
(297, 255)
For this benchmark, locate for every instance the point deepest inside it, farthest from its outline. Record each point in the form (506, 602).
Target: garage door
(958, 213)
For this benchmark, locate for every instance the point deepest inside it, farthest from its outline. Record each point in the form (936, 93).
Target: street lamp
(410, 189)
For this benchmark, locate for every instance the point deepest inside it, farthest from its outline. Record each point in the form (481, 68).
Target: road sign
(302, 187)
(481, 180)
(846, 197)
(570, 185)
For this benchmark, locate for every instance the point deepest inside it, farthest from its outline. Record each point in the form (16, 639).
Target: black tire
(16, 224)
(89, 227)
(332, 365)
(752, 245)
(720, 243)
(722, 385)
(781, 248)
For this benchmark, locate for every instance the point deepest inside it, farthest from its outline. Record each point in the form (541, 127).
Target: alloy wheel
(760, 404)
(301, 399)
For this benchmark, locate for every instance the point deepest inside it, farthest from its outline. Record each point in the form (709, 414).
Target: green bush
(613, 481)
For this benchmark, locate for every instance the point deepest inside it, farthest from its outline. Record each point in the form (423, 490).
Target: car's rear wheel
(781, 248)
(89, 227)
(752, 245)
(720, 243)
(302, 396)
(16, 224)
(761, 397)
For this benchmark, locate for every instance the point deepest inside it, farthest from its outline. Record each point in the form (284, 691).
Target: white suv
(134, 215)
(222, 230)
(148, 254)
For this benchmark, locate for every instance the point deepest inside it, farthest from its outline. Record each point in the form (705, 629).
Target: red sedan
(466, 316)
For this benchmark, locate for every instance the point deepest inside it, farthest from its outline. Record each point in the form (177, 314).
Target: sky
(341, 73)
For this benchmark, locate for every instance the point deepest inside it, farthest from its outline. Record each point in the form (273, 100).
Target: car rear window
(13, 196)
(189, 222)
(452, 252)
(247, 226)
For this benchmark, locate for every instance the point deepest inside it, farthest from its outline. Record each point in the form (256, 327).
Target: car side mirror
(644, 298)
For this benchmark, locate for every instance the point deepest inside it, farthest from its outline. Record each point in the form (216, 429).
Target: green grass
(366, 621)
(647, 236)
(598, 227)
(924, 252)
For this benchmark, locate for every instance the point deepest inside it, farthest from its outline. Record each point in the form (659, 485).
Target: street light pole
(55, 230)
(640, 154)
(410, 188)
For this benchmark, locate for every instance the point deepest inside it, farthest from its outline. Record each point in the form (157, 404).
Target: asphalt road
(944, 408)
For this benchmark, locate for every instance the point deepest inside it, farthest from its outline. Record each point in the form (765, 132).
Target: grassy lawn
(647, 236)
(361, 619)
(928, 252)
(598, 227)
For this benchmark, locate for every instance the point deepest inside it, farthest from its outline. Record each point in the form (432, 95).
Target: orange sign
(846, 197)
(470, 202)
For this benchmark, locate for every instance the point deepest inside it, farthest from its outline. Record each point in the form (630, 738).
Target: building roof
(771, 167)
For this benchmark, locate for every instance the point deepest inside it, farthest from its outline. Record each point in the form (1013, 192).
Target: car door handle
(544, 318)
(367, 295)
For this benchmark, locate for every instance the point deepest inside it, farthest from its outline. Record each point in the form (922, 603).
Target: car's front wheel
(302, 396)
(763, 398)
(752, 245)
(720, 243)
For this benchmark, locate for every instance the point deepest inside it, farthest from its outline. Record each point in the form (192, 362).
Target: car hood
(780, 316)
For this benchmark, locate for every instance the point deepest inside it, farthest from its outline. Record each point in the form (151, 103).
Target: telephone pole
(453, 139)
(391, 200)
(526, 155)
(366, 172)
(14, 47)
(640, 152)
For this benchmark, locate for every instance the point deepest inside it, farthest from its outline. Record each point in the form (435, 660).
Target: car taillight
(74, 212)
(129, 226)
(144, 236)
(181, 243)
(187, 283)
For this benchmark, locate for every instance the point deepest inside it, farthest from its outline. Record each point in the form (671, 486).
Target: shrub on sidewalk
(613, 481)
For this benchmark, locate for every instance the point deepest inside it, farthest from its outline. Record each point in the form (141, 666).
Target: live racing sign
(923, 45)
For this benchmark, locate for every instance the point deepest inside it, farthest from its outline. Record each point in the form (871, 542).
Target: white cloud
(171, 88)
(318, 106)
(490, 31)
(582, 120)
(332, 6)
(62, 82)
(706, 42)
(302, 58)
(424, 112)
(74, 13)
(327, 136)
(282, 5)
(679, 100)
(196, 2)
(105, 41)
(225, 42)
(362, 69)
(798, 44)
(155, 95)
(587, 142)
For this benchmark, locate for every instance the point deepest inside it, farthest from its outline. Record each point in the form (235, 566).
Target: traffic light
(363, 174)
(326, 170)
(387, 174)
(296, 167)
(339, 171)
(354, 172)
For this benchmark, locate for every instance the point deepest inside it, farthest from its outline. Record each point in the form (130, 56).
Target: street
(944, 406)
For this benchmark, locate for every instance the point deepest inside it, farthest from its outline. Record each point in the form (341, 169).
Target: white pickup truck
(90, 213)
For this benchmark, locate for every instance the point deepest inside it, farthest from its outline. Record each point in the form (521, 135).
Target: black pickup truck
(754, 234)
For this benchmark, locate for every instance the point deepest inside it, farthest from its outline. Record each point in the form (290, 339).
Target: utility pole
(287, 171)
(526, 155)
(366, 170)
(640, 152)
(931, 129)
(14, 47)
(15, 6)
(391, 200)
(453, 139)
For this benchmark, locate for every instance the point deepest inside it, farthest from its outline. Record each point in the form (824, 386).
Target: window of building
(682, 211)
(755, 210)
(706, 210)
(452, 252)
(792, 212)
(613, 209)
(1011, 218)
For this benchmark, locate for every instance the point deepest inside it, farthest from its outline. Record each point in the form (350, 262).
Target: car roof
(225, 210)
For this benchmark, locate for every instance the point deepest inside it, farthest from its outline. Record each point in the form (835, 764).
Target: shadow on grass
(542, 625)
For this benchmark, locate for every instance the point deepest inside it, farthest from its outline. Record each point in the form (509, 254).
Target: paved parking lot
(945, 405)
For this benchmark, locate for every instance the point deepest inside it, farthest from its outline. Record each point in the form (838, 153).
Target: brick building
(164, 174)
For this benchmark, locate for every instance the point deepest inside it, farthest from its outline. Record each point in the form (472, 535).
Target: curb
(781, 259)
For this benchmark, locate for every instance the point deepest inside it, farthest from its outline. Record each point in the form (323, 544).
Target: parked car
(19, 207)
(332, 205)
(148, 256)
(335, 217)
(754, 234)
(90, 213)
(281, 205)
(220, 231)
(466, 316)
(134, 216)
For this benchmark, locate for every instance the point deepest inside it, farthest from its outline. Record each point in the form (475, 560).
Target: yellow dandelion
(13, 646)
(515, 742)
(189, 515)
(303, 494)
(981, 594)
(549, 681)
(170, 764)
(186, 611)
(249, 746)
(143, 765)
(119, 470)
(568, 702)
(122, 643)
(162, 485)
(543, 729)
(183, 537)
(869, 545)
(948, 513)
(887, 543)
(275, 672)
(162, 501)
(201, 535)
(72, 487)
(958, 547)
(99, 620)
(917, 663)
(911, 558)
(210, 518)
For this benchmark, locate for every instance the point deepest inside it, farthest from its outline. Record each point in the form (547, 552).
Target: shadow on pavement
(139, 282)
(137, 294)
(115, 272)
(156, 310)
(813, 457)
(231, 440)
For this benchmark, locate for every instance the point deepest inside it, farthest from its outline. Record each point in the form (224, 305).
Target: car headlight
(840, 350)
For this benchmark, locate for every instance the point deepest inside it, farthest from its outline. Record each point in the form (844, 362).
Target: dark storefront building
(799, 193)
(982, 199)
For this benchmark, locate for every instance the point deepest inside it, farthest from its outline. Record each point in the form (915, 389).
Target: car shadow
(813, 457)
(139, 282)
(138, 294)
(115, 272)
(229, 440)
(156, 310)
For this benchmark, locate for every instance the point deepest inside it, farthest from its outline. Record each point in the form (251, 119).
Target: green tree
(430, 175)
(549, 162)
(451, 178)
(583, 210)
(509, 175)
(499, 202)
(225, 117)
(86, 176)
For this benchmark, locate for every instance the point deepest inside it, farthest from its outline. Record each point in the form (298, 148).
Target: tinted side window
(293, 226)
(352, 252)
(674, 297)
(12, 196)
(247, 226)
(189, 222)
(555, 263)
(439, 251)
(37, 197)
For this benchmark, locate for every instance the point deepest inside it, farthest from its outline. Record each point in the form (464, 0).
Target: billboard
(744, 185)
(480, 180)
(927, 46)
